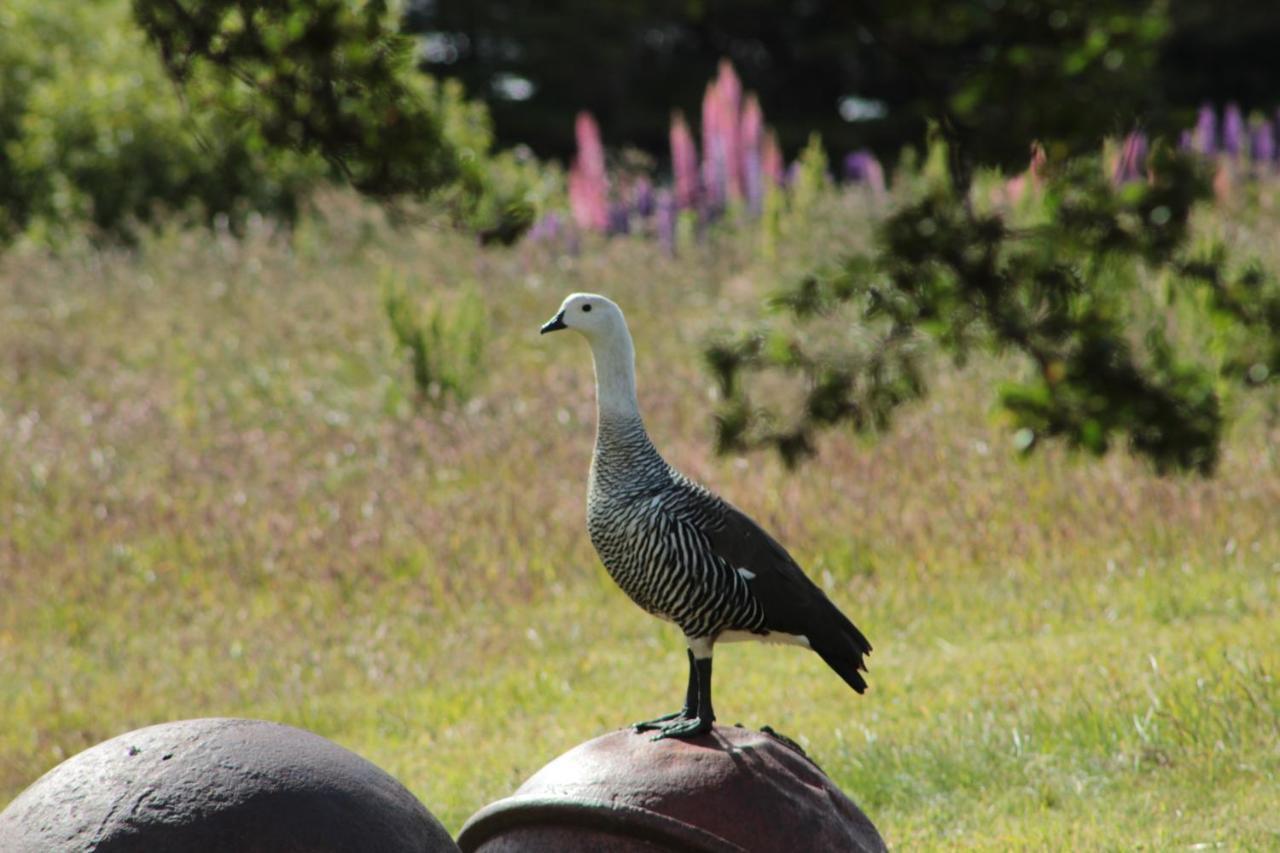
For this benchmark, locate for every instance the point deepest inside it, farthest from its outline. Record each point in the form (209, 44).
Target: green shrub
(445, 348)
(96, 135)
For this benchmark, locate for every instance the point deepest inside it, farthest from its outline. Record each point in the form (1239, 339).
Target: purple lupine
(1131, 165)
(618, 219)
(862, 167)
(1262, 145)
(1233, 130)
(588, 182)
(665, 219)
(751, 139)
(1206, 132)
(642, 197)
(684, 162)
(547, 229)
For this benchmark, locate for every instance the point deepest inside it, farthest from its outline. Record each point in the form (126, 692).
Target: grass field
(217, 497)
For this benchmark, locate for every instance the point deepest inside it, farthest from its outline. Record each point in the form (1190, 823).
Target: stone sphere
(216, 786)
(732, 789)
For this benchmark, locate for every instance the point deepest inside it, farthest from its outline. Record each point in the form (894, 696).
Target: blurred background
(974, 305)
(818, 66)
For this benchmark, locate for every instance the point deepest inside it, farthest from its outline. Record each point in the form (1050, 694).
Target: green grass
(218, 497)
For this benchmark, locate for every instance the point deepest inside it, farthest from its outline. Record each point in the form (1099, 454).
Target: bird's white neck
(615, 361)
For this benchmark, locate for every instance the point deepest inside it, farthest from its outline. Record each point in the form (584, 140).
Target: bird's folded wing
(787, 594)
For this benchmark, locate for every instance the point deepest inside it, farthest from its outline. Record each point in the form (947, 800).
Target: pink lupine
(715, 154)
(684, 162)
(1033, 177)
(588, 182)
(751, 141)
(771, 160)
(730, 98)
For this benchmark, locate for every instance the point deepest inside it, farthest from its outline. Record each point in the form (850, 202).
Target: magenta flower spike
(1206, 132)
(730, 103)
(1233, 131)
(684, 162)
(588, 181)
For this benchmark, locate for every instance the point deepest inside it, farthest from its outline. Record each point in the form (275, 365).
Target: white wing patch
(747, 574)
(771, 637)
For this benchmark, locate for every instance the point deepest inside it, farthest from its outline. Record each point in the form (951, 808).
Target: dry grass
(218, 497)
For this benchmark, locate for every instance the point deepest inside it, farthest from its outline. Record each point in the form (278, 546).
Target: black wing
(793, 604)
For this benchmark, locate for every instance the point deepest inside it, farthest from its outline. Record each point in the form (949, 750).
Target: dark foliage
(1060, 295)
(1008, 72)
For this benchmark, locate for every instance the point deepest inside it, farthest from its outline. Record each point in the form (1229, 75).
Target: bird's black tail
(844, 648)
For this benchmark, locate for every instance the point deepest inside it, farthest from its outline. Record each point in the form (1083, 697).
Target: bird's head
(593, 315)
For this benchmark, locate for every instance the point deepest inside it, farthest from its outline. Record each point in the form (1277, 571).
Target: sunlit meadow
(221, 495)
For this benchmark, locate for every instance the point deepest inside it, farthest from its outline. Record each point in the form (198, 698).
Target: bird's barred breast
(665, 566)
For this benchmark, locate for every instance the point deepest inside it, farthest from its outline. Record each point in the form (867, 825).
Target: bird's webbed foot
(657, 722)
(684, 728)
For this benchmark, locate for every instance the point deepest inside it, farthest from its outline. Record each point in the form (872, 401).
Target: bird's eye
(586, 307)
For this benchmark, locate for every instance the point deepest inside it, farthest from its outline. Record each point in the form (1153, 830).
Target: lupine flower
(1206, 132)
(715, 154)
(771, 160)
(665, 219)
(751, 143)
(1039, 162)
(547, 229)
(1262, 144)
(729, 95)
(684, 162)
(1131, 165)
(862, 167)
(588, 183)
(618, 219)
(1033, 176)
(1233, 131)
(642, 201)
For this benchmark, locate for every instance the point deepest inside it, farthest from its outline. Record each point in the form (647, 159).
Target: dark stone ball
(216, 786)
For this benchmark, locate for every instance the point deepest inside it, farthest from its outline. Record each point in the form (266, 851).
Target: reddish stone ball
(733, 789)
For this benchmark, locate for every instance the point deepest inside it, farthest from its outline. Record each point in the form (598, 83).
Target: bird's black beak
(554, 324)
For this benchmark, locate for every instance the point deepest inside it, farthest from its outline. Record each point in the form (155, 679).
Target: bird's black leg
(690, 704)
(701, 724)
